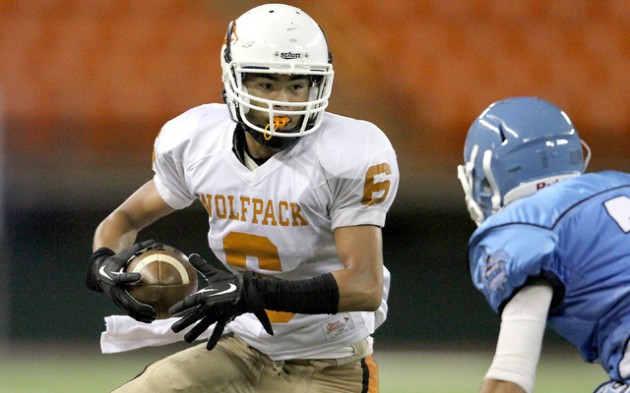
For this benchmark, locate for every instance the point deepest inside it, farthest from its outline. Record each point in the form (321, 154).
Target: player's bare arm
(119, 230)
(361, 281)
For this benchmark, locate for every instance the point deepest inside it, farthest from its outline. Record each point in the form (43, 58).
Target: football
(167, 277)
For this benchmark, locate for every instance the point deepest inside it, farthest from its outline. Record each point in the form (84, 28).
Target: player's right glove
(106, 274)
(227, 296)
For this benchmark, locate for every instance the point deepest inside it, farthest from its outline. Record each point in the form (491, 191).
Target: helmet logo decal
(543, 184)
(291, 55)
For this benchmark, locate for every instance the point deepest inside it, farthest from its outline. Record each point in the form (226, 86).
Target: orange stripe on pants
(370, 375)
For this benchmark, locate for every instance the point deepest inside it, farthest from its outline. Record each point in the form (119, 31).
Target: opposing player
(553, 244)
(296, 198)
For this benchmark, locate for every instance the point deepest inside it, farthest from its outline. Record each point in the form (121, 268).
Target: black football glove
(106, 274)
(227, 296)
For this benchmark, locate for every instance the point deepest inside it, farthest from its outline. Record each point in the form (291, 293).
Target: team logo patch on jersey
(494, 274)
(338, 326)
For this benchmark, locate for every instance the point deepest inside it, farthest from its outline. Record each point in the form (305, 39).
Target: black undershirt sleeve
(317, 295)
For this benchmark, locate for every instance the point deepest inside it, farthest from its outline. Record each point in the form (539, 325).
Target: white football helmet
(276, 39)
(515, 147)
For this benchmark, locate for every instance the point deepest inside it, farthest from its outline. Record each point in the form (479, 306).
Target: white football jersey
(278, 219)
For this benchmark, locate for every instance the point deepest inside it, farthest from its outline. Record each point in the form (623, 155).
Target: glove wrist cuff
(317, 295)
(101, 252)
(97, 256)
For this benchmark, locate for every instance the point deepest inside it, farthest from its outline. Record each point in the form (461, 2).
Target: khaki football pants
(234, 367)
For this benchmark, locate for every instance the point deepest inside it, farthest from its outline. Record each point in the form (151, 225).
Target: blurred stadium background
(85, 86)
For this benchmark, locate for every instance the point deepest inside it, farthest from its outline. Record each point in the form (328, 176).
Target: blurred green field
(80, 368)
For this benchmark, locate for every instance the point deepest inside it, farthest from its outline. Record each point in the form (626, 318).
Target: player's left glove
(227, 296)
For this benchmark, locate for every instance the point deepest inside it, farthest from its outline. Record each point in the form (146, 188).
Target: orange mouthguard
(278, 122)
(281, 121)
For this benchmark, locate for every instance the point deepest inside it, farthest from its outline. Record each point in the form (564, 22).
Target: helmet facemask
(482, 194)
(306, 116)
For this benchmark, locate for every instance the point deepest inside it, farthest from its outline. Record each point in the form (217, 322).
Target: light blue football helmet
(514, 148)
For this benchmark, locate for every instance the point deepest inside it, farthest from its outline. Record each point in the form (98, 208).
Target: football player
(553, 244)
(296, 199)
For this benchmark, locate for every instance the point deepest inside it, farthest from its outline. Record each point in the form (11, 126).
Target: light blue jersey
(576, 234)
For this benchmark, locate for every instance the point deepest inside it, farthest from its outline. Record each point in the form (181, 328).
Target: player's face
(276, 87)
